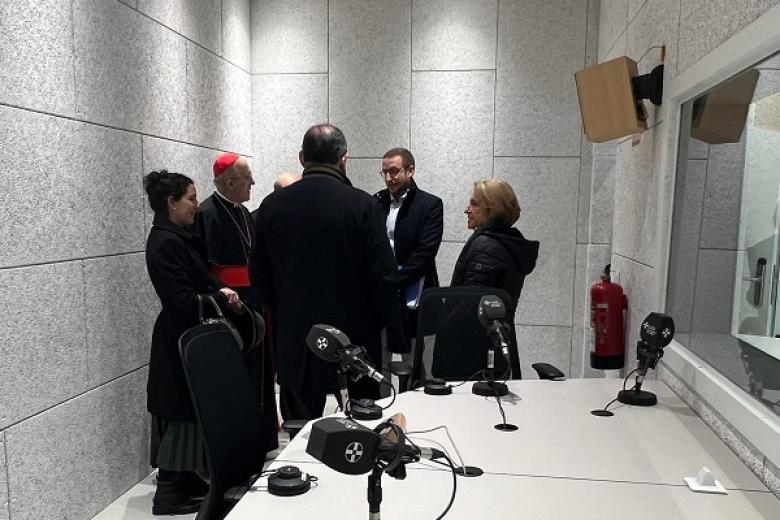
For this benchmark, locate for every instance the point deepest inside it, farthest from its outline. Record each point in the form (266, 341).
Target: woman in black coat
(177, 269)
(496, 254)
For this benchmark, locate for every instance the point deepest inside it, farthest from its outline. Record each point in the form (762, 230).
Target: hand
(231, 295)
(237, 307)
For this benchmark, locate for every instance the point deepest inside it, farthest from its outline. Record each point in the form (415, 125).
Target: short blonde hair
(498, 199)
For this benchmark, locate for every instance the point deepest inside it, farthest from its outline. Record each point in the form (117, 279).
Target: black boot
(194, 485)
(171, 497)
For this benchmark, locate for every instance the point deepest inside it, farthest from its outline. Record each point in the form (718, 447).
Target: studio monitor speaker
(720, 115)
(608, 103)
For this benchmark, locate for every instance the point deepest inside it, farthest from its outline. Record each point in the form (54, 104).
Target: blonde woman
(496, 254)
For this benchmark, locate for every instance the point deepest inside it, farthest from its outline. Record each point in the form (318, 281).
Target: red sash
(231, 275)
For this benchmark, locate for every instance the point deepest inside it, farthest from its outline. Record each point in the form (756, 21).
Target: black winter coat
(499, 256)
(175, 260)
(418, 232)
(321, 256)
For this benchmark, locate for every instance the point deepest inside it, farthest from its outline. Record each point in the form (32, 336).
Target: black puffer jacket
(497, 255)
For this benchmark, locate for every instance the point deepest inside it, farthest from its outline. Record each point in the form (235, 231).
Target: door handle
(758, 280)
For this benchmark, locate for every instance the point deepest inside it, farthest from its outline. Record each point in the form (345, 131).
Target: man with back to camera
(414, 223)
(321, 256)
(225, 226)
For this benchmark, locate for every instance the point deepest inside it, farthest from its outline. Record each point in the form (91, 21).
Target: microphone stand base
(365, 410)
(506, 427)
(637, 397)
(489, 388)
(468, 471)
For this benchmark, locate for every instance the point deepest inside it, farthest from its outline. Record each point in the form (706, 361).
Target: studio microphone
(351, 448)
(332, 345)
(655, 333)
(491, 313)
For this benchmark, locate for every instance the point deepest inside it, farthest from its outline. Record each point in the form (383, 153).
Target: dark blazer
(497, 255)
(177, 268)
(418, 232)
(321, 255)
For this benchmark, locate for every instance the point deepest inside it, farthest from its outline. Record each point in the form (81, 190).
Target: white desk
(561, 463)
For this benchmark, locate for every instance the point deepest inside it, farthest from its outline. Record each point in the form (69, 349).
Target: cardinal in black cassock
(225, 226)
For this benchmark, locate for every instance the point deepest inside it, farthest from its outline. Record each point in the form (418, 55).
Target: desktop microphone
(349, 447)
(332, 345)
(491, 313)
(655, 333)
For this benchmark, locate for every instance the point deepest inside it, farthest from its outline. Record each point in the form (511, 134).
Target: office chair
(460, 342)
(227, 412)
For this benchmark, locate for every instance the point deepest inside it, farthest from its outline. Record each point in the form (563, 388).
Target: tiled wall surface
(93, 94)
(475, 88)
(689, 30)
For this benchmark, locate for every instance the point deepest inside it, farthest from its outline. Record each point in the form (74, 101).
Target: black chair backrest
(461, 342)
(227, 412)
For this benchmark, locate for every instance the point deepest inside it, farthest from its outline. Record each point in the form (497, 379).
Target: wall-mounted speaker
(720, 115)
(608, 104)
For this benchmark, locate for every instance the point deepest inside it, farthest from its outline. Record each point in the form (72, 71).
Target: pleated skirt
(177, 446)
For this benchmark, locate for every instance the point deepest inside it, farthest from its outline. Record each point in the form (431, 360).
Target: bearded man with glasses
(414, 223)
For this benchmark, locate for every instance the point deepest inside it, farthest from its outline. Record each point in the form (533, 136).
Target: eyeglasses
(392, 172)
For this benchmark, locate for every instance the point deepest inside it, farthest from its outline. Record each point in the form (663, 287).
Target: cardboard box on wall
(607, 102)
(720, 115)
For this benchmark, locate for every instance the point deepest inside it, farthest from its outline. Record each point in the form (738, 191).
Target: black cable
(470, 378)
(625, 380)
(454, 488)
(627, 376)
(500, 407)
(395, 393)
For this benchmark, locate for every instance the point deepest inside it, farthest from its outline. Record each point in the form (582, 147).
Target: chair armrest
(547, 371)
(293, 426)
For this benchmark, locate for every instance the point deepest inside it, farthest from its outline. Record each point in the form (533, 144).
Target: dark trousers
(305, 404)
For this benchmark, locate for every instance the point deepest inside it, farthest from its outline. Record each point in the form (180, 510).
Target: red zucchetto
(224, 162)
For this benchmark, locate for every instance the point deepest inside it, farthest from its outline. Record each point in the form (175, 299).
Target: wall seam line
(73, 397)
(411, 68)
(495, 91)
(73, 55)
(624, 257)
(579, 209)
(174, 31)
(69, 260)
(110, 127)
(7, 475)
(143, 202)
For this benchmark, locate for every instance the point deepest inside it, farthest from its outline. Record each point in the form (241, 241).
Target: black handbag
(247, 326)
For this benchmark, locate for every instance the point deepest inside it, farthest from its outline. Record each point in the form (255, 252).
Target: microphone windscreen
(326, 341)
(343, 445)
(657, 330)
(490, 309)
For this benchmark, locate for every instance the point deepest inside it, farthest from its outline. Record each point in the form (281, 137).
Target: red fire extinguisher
(607, 303)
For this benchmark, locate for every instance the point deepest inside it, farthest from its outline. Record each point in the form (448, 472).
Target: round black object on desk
(636, 397)
(489, 388)
(364, 410)
(437, 386)
(287, 481)
(468, 471)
